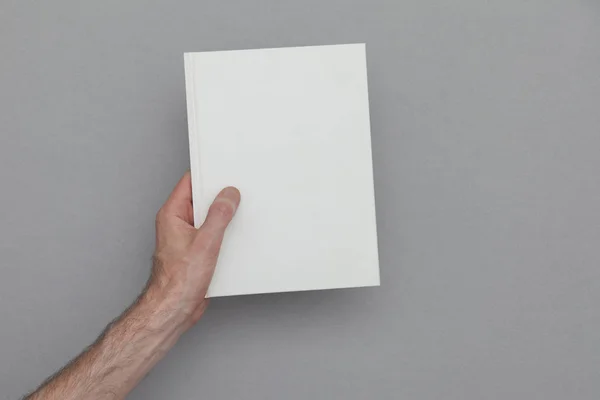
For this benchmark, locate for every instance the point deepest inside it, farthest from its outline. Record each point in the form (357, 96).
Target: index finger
(179, 203)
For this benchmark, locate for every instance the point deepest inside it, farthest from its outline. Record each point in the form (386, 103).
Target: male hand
(185, 257)
(174, 299)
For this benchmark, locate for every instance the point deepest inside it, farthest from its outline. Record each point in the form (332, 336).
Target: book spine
(190, 93)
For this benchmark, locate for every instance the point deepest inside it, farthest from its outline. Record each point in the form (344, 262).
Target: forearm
(121, 357)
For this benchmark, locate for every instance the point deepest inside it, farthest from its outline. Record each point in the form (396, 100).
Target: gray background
(485, 120)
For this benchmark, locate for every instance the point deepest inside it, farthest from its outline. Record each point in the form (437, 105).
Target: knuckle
(204, 240)
(160, 214)
(208, 244)
(222, 209)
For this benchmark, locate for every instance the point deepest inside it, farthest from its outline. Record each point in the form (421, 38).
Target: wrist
(170, 291)
(143, 334)
(161, 308)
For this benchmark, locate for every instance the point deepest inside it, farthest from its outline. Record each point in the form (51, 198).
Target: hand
(185, 257)
(174, 299)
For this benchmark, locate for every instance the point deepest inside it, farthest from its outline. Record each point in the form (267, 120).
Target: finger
(179, 203)
(221, 211)
(219, 215)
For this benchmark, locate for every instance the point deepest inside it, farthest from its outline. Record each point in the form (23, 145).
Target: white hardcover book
(289, 127)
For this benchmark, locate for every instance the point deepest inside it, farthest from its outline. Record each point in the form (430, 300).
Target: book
(290, 128)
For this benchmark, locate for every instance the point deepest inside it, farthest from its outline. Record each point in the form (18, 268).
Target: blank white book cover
(289, 127)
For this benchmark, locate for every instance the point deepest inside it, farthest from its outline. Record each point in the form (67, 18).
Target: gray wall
(485, 120)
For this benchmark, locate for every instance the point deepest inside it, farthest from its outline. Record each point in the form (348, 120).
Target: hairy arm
(122, 355)
(173, 301)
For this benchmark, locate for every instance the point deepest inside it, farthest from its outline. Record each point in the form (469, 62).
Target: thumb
(220, 214)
